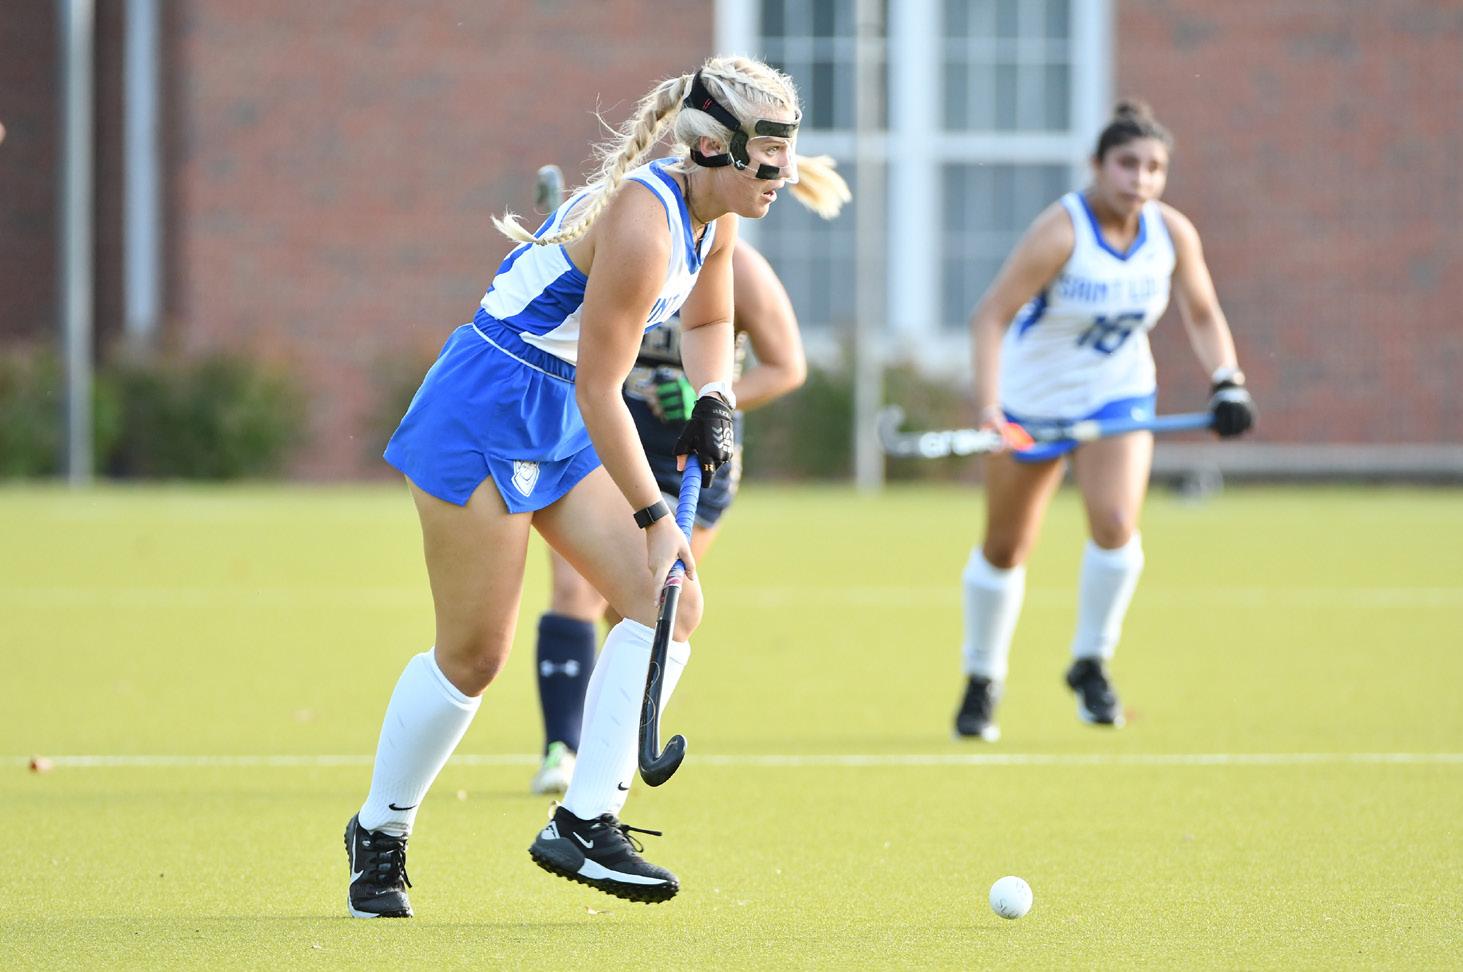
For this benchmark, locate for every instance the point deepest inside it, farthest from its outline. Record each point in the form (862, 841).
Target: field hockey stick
(548, 189)
(932, 445)
(1090, 430)
(655, 766)
(966, 442)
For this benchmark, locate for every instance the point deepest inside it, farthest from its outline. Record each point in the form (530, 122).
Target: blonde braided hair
(819, 187)
(744, 85)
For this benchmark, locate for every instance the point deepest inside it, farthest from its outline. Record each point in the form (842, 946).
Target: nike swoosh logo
(621, 787)
(586, 843)
(356, 876)
(401, 809)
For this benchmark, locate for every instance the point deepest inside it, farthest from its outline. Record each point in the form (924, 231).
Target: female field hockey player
(1062, 334)
(660, 396)
(509, 430)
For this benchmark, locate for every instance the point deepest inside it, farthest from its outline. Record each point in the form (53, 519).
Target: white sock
(1109, 578)
(425, 720)
(992, 604)
(609, 745)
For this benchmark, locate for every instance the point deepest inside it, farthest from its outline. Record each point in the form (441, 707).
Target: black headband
(703, 100)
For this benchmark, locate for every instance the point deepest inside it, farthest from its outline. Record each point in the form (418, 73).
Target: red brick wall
(29, 102)
(30, 108)
(337, 164)
(331, 167)
(1318, 154)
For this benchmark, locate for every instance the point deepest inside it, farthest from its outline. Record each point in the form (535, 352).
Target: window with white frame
(814, 42)
(992, 106)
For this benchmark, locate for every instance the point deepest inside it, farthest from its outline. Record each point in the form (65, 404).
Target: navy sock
(565, 660)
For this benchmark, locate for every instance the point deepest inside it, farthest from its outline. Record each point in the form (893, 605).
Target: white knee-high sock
(1109, 578)
(425, 720)
(608, 746)
(992, 604)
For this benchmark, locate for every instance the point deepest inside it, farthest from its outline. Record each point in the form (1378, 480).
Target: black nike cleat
(1097, 703)
(378, 873)
(976, 717)
(602, 854)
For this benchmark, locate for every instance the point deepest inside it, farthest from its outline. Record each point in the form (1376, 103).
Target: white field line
(185, 596)
(795, 761)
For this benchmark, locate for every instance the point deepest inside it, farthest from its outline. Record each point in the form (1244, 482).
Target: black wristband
(653, 512)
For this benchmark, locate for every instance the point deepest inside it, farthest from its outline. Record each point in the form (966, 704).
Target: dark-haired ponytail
(1132, 119)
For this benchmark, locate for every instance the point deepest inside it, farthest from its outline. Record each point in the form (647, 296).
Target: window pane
(1030, 105)
(1007, 19)
(987, 209)
(814, 258)
(955, 105)
(772, 23)
(815, 42)
(823, 20)
(982, 18)
(1014, 59)
(1058, 97)
(820, 94)
(1005, 97)
(1058, 19)
(957, 19)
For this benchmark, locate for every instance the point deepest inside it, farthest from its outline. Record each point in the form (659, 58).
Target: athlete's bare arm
(1036, 260)
(706, 316)
(1198, 303)
(764, 311)
(630, 248)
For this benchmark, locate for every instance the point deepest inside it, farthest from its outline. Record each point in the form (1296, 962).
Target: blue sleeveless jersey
(539, 293)
(499, 401)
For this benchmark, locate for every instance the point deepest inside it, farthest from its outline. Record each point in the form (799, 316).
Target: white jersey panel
(539, 293)
(1083, 341)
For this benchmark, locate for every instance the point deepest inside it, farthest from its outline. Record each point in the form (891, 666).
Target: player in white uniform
(508, 432)
(1062, 334)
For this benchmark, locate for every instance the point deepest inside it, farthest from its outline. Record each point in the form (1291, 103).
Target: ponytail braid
(621, 153)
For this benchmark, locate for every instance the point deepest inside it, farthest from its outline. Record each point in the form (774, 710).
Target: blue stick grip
(1183, 422)
(690, 494)
(1192, 420)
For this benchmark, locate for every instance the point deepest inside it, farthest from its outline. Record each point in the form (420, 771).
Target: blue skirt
(494, 406)
(1141, 407)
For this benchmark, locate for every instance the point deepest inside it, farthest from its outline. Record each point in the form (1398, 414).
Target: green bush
(395, 377)
(219, 417)
(809, 434)
(32, 416)
(806, 435)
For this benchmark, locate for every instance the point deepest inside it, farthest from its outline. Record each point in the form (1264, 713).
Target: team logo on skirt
(525, 476)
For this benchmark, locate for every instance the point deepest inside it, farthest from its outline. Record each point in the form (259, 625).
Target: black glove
(709, 435)
(1232, 408)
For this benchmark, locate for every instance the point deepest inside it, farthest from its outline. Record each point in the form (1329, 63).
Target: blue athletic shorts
(494, 406)
(659, 439)
(1141, 407)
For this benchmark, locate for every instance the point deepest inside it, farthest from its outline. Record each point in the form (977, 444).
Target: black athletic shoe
(1097, 703)
(976, 718)
(602, 854)
(378, 873)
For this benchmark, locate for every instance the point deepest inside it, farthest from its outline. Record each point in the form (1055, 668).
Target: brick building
(329, 169)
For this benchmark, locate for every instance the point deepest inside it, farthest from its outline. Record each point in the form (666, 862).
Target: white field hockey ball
(1011, 897)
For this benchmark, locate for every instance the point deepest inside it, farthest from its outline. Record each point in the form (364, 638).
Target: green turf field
(825, 819)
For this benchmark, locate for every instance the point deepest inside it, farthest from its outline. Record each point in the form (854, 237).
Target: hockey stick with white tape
(967, 442)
